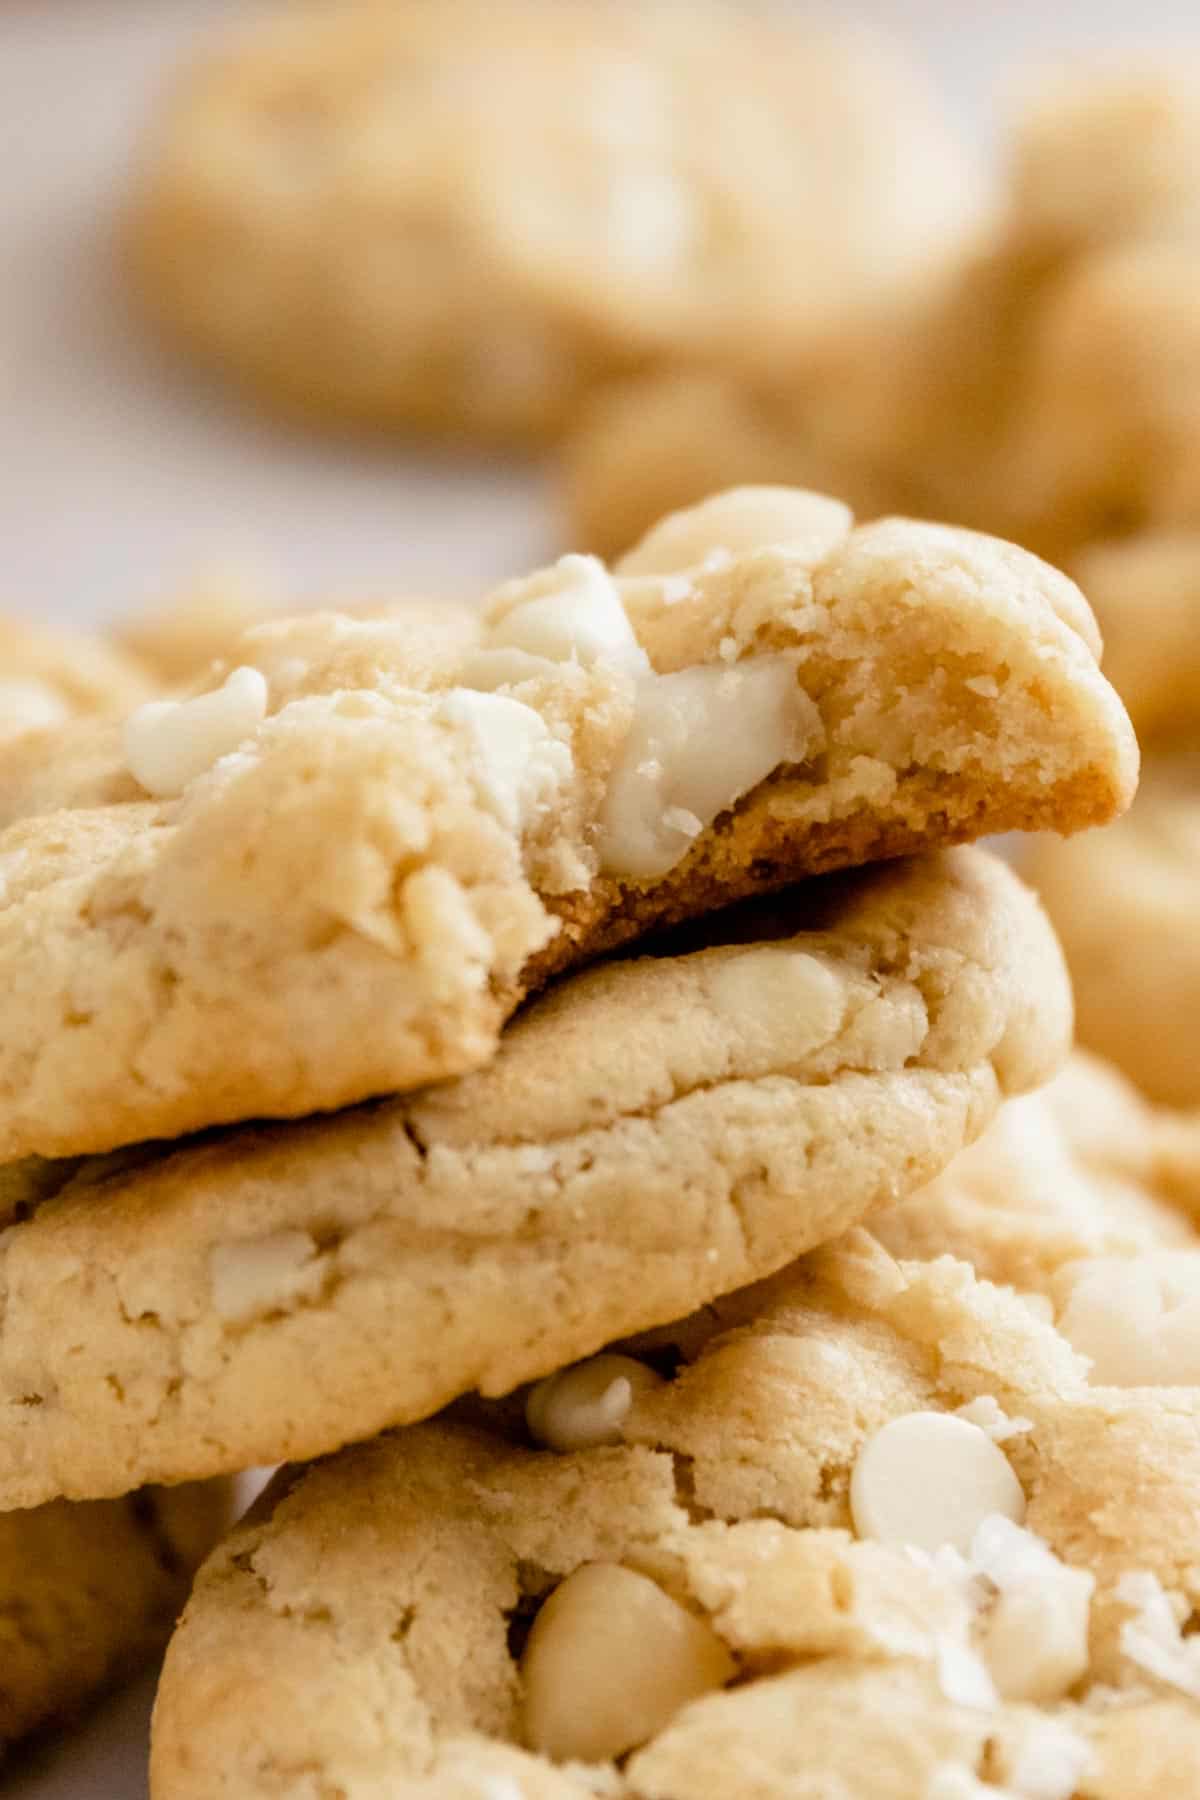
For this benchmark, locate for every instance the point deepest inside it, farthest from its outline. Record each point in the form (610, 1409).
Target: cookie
(1146, 592)
(367, 822)
(180, 638)
(911, 410)
(1108, 440)
(668, 439)
(1104, 154)
(1124, 905)
(867, 1529)
(987, 392)
(1071, 1180)
(651, 1133)
(89, 1592)
(86, 764)
(47, 677)
(460, 218)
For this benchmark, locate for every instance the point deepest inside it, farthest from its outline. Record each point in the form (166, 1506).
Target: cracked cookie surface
(720, 1595)
(417, 824)
(650, 1134)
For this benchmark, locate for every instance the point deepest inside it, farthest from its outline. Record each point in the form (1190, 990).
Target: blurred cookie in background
(1146, 594)
(1109, 434)
(1124, 902)
(90, 1592)
(460, 217)
(1043, 383)
(1083, 1176)
(667, 440)
(48, 677)
(181, 636)
(1108, 152)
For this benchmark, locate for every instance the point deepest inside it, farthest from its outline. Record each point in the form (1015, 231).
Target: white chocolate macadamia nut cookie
(650, 1134)
(430, 821)
(461, 217)
(48, 677)
(869, 1533)
(1125, 907)
(88, 1593)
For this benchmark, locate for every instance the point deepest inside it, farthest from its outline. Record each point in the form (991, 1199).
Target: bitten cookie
(649, 1135)
(88, 1592)
(337, 872)
(460, 217)
(1124, 905)
(867, 1529)
(47, 677)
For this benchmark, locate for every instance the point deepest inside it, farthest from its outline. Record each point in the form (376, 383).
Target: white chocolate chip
(13, 869)
(587, 1405)
(785, 1001)
(264, 1275)
(168, 743)
(928, 1479)
(961, 1675)
(1040, 1758)
(571, 612)
(486, 670)
(1034, 1636)
(26, 704)
(736, 522)
(700, 739)
(610, 1661)
(1151, 1638)
(520, 763)
(652, 220)
(950, 1781)
(1138, 1319)
(500, 1787)
(990, 1416)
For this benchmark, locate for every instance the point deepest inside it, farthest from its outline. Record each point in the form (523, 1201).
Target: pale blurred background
(124, 475)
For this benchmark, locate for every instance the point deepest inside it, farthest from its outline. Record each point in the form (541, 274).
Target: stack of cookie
(566, 1065)
(87, 1592)
(316, 1125)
